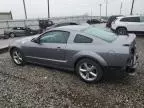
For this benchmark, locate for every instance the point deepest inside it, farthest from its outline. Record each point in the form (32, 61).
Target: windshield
(103, 34)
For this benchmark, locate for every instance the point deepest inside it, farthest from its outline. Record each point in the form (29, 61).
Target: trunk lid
(125, 40)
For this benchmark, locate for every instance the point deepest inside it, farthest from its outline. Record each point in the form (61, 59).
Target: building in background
(6, 16)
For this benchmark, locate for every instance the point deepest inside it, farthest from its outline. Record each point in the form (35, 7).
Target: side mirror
(36, 40)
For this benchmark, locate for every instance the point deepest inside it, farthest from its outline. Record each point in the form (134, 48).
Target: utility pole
(25, 9)
(106, 7)
(121, 6)
(132, 7)
(48, 9)
(100, 10)
(91, 13)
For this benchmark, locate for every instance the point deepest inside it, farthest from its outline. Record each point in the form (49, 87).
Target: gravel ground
(35, 86)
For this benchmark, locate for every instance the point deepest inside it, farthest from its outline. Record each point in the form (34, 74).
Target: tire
(121, 31)
(89, 71)
(12, 35)
(17, 57)
(6, 36)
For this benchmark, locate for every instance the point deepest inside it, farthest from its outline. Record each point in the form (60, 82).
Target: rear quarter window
(101, 33)
(82, 39)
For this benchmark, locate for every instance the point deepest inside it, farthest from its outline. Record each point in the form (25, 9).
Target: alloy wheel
(12, 35)
(17, 57)
(88, 71)
(122, 31)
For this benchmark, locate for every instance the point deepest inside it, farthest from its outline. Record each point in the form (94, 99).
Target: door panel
(134, 26)
(141, 26)
(51, 48)
(132, 23)
(46, 53)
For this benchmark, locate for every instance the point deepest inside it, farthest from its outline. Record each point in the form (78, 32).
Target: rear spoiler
(130, 39)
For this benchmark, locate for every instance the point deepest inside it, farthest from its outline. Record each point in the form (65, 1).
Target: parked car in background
(87, 50)
(93, 21)
(43, 24)
(128, 24)
(111, 19)
(103, 20)
(19, 31)
(61, 24)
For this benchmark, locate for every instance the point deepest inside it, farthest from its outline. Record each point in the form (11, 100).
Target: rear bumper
(129, 68)
(133, 65)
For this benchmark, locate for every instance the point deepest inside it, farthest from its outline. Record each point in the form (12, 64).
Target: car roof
(64, 23)
(18, 27)
(115, 16)
(72, 27)
(129, 16)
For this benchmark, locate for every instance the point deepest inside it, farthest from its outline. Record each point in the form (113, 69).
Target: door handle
(58, 48)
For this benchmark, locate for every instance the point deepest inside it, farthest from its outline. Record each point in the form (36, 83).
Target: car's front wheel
(89, 70)
(12, 35)
(17, 56)
(121, 31)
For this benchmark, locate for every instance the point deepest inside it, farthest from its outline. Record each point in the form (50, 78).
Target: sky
(38, 8)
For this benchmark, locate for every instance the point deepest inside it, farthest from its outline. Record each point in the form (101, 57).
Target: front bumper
(113, 30)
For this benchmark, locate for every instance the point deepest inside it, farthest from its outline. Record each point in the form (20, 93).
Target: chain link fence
(34, 23)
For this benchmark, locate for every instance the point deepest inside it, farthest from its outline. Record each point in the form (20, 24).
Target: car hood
(24, 40)
(125, 39)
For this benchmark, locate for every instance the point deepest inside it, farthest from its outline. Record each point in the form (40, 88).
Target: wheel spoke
(92, 68)
(20, 58)
(16, 53)
(93, 74)
(86, 66)
(17, 57)
(83, 70)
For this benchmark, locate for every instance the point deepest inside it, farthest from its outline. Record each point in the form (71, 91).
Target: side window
(82, 39)
(22, 28)
(131, 19)
(55, 37)
(73, 24)
(135, 19)
(124, 20)
(142, 19)
(62, 24)
(15, 28)
(18, 28)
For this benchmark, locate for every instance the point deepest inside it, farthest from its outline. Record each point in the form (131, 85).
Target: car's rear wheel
(17, 56)
(12, 35)
(89, 70)
(121, 31)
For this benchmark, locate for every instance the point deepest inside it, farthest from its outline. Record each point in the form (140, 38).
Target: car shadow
(109, 77)
(140, 36)
(113, 77)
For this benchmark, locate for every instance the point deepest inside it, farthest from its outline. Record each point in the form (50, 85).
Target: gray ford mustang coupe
(85, 49)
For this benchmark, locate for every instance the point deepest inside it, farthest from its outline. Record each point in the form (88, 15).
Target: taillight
(126, 45)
